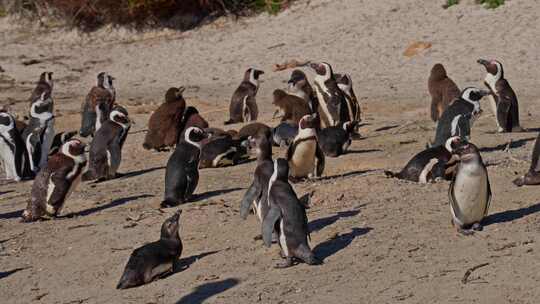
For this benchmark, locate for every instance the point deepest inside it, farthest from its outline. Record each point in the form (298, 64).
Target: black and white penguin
(222, 151)
(458, 118)
(12, 150)
(243, 107)
(44, 85)
(97, 105)
(354, 112)
(470, 191)
(56, 181)
(284, 133)
(305, 157)
(39, 134)
(299, 86)
(287, 216)
(154, 260)
(60, 139)
(503, 100)
(331, 99)
(182, 173)
(443, 91)
(106, 146)
(257, 194)
(532, 177)
(429, 165)
(335, 141)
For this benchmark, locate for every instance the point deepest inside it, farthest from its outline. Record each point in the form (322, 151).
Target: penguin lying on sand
(221, 151)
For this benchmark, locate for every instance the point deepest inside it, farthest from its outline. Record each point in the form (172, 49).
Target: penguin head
(120, 115)
(260, 141)
(73, 148)
(308, 122)
(438, 72)
(297, 77)
(169, 229)
(472, 94)
(465, 150)
(278, 95)
(46, 77)
(7, 122)
(42, 107)
(322, 69)
(453, 143)
(105, 80)
(350, 126)
(281, 169)
(195, 135)
(252, 75)
(174, 94)
(493, 67)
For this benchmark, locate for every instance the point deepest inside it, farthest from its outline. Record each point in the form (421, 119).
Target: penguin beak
(483, 62)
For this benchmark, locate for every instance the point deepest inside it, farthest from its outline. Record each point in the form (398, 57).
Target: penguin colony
(319, 119)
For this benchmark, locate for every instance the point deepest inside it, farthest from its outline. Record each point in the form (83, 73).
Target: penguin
(331, 99)
(182, 173)
(39, 134)
(334, 141)
(191, 118)
(459, 117)
(60, 139)
(56, 181)
(253, 129)
(287, 216)
(162, 125)
(345, 84)
(291, 107)
(256, 196)
(305, 157)
(97, 105)
(243, 106)
(44, 85)
(470, 191)
(221, 151)
(12, 150)
(154, 260)
(430, 165)
(300, 86)
(106, 146)
(442, 89)
(284, 134)
(503, 100)
(532, 177)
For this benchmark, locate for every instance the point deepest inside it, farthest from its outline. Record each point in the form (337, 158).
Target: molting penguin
(253, 129)
(154, 260)
(163, 123)
(12, 149)
(353, 106)
(44, 85)
(332, 102)
(503, 100)
(97, 105)
(56, 181)
(287, 216)
(39, 134)
(221, 151)
(458, 118)
(191, 118)
(428, 165)
(442, 90)
(182, 173)
(284, 133)
(291, 107)
(106, 146)
(533, 176)
(470, 191)
(334, 141)
(243, 107)
(300, 86)
(305, 157)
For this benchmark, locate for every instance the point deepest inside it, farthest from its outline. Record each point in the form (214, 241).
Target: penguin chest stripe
(283, 239)
(427, 169)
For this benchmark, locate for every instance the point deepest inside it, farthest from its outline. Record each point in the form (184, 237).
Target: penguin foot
(288, 263)
(477, 227)
(169, 204)
(520, 181)
(466, 232)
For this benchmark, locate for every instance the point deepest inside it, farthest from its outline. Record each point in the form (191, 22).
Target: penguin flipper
(319, 154)
(273, 215)
(503, 113)
(252, 193)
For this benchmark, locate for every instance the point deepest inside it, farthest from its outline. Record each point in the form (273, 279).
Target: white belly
(302, 162)
(283, 239)
(471, 194)
(8, 160)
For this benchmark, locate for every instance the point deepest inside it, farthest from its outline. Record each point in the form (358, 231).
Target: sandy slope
(383, 241)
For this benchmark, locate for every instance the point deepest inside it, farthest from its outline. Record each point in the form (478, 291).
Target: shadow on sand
(208, 290)
(210, 194)
(334, 245)
(511, 215)
(112, 204)
(319, 224)
(513, 145)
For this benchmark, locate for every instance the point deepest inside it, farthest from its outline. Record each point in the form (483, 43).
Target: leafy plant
(491, 3)
(450, 3)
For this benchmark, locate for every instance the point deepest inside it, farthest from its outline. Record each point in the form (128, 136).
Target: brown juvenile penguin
(44, 85)
(97, 105)
(191, 118)
(292, 107)
(162, 125)
(253, 129)
(442, 89)
(243, 107)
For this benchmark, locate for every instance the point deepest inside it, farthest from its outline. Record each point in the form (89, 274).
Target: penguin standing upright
(287, 216)
(12, 149)
(163, 123)
(243, 107)
(39, 134)
(442, 89)
(56, 181)
(306, 159)
(470, 191)
(97, 105)
(331, 99)
(291, 107)
(106, 146)
(300, 86)
(532, 177)
(154, 260)
(182, 173)
(44, 85)
(503, 100)
(354, 112)
(458, 118)
(335, 141)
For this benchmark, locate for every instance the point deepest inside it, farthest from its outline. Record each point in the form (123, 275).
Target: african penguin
(60, 139)
(191, 118)
(253, 129)
(470, 191)
(97, 105)
(243, 106)
(284, 134)
(182, 173)
(352, 105)
(12, 150)
(154, 260)
(335, 141)
(503, 100)
(429, 165)
(287, 216)
(56, 181)
(459, 117)
(163, 123)
(305, 157)
(532, 177)
(331, 99)
(442, 89)
(44, 85)
(221, 151)
(291, 107)
(300, 86)
(106, 146)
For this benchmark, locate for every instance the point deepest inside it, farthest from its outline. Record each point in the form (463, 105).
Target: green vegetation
(486, 3)
(450, 3)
